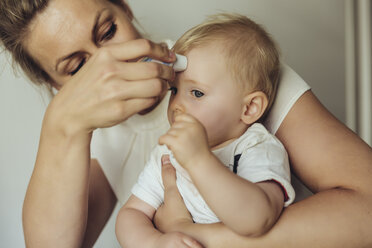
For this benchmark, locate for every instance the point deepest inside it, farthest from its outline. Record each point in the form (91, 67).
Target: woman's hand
(176, 239)
(110, 87)
(173, 213)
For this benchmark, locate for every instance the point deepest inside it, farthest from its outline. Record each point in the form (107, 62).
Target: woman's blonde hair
(250, 53)
(15, 18)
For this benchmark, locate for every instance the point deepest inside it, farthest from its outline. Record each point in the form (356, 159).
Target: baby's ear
(255, 105)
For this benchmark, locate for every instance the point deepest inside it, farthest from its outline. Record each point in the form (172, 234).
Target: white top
(123, 150)
(262, 158)
(291, 87)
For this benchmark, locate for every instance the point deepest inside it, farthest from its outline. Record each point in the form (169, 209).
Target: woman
(87, 49)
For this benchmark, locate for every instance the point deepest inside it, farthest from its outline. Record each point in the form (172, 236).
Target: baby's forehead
(212, 55)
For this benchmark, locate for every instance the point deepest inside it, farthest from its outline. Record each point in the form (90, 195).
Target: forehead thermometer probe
(179, 65)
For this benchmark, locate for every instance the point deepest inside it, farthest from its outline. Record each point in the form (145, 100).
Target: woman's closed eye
(197, 93)
(108, 32)
(75, 69)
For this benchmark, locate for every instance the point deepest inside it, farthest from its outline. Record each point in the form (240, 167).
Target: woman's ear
(254, 107)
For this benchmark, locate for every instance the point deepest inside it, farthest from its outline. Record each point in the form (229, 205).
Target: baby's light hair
(250, 53)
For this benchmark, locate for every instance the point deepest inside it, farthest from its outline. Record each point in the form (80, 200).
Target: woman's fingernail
(165, 159)
(171, 54)
(188, 242)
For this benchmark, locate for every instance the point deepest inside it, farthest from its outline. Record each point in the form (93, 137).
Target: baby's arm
(134, 228)
(134, 224)
(246, 208)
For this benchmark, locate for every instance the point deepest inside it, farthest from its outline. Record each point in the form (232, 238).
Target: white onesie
(256, 156)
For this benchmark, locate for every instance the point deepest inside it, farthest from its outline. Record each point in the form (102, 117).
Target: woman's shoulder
(290, 89)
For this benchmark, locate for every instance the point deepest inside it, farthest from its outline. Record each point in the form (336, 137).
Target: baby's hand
(187, 139)
(176, 239)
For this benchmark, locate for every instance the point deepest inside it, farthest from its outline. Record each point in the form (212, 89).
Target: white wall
(310, 34)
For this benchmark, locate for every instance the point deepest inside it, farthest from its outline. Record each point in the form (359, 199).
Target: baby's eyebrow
(189, 80)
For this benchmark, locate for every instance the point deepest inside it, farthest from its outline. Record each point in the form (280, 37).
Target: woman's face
(67, 33)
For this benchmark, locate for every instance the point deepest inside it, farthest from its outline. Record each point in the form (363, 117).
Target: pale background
(310, 34)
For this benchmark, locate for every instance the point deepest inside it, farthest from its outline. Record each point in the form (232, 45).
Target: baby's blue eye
(197, 93)
(173, 90)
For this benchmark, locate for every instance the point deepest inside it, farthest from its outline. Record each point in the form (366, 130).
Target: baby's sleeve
(267, 161)
(149, 187)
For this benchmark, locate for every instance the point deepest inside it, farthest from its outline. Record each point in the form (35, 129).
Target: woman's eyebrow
(93, 38)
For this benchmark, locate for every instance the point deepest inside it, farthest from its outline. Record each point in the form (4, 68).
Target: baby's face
(207, 91)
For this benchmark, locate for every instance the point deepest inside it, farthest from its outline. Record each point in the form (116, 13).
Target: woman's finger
(135, 49)
(132, 106)
(192, 243)
(151, 88)
(168, 172)
(144, 70)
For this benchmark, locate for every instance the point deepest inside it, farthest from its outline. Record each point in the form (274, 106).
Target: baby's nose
(178, 110)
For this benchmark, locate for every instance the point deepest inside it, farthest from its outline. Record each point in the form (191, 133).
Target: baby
(229, 167)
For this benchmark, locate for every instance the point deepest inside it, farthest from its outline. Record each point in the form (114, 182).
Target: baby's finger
(166, 139)
(177, 125)
(169, 140)
(173, 132)
(185, 117)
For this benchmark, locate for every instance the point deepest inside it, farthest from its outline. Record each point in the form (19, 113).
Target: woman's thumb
(168, 172)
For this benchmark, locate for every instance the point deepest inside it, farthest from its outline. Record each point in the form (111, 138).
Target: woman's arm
(332, 161)
(101, 203)
(134, 228)
(103, 93)
(335, 164)
(56, 201)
